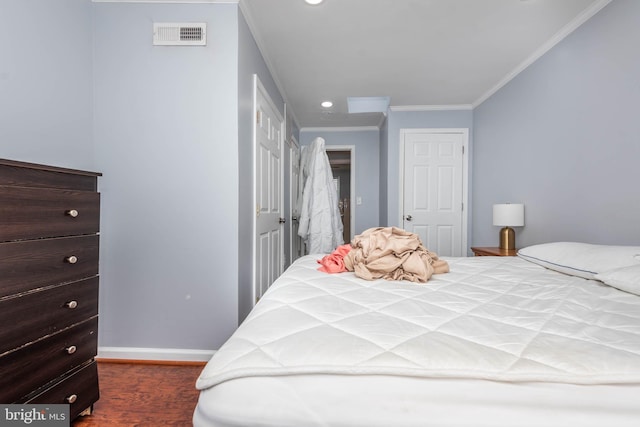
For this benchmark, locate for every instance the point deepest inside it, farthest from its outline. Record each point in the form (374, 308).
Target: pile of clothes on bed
(385, 253)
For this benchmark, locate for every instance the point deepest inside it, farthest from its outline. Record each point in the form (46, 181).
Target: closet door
(269, 221)
(433, 189)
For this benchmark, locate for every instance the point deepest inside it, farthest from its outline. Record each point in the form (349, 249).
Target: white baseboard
(155, 354)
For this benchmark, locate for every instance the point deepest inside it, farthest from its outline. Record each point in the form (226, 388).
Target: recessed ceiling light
(313, 2)
(327, 104)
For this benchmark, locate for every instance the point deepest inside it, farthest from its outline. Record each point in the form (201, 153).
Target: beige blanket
(394, 254)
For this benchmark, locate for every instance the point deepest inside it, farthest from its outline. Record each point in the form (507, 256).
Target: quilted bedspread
(491, 318)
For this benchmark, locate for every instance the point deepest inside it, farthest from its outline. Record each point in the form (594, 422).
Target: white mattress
(498, 341)
(383, 401)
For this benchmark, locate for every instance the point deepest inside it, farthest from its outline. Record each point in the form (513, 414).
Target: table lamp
(508, 215)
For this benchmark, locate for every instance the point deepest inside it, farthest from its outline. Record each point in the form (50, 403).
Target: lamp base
(507, 238)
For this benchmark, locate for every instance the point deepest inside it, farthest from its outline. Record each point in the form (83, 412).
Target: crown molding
(431, 107)
(340, 129)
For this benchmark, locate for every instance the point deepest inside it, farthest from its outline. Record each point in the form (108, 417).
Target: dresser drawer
(21, 174)
(81, 387)
(33, 264)
(40, 362)
(31, 213)
(37, 314)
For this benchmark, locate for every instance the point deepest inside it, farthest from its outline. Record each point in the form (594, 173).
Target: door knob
(282, 220)
(408, 217)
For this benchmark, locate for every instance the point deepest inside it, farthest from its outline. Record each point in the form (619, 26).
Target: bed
(548, 338)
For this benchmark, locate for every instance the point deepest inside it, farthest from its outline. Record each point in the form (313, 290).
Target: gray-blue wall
(170, 129)
(46, 94)
(562, 138)
(367, 160)
(166, 135)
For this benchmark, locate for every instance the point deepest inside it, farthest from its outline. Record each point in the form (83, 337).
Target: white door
(295, 193)
(434, 189)
(268, 142)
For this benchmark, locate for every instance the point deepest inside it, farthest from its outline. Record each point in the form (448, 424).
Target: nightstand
(494, 251)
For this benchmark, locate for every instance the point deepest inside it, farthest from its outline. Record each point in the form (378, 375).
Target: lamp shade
(508, 215)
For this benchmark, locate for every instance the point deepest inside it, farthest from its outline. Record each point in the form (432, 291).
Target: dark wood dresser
(49, 247)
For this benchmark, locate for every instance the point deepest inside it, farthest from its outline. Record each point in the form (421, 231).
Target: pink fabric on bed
(334, 262)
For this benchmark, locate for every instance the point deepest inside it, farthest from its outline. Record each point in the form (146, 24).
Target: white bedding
(530, 331)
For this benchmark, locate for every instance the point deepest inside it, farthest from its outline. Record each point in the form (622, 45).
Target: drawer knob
(72, 398)
(71, 349)
(71, 304)
(71, 259)
(72, 213)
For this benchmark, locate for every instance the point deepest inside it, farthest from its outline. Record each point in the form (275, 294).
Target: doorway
(342, 168)
(296, 245)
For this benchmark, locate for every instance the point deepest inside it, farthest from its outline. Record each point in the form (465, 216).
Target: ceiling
(423, 54)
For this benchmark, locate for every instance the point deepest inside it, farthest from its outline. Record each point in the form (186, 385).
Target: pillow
(581, 259)
(625, 278)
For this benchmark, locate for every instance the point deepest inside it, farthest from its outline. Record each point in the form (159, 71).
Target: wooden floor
(143, 395)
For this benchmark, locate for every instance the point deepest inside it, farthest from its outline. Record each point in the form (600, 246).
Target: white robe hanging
(320, 223)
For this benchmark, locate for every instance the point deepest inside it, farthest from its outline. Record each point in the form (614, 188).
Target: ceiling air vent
(179, 34)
